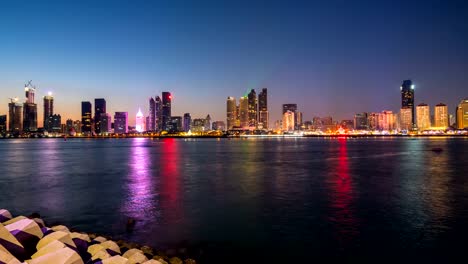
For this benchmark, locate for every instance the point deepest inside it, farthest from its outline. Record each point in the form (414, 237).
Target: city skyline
(304, 53)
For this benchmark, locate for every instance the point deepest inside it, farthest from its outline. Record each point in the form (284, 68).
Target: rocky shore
(28, 240)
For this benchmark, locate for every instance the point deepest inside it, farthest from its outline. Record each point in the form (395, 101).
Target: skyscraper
(54, 123)
(86, 109)
(263, 116)
(288, 121)
(99, 108)
(244, 112)
(360, 121)
(253, 108)
(106, 124)
(30, 109)
(231, 112)
(140, 121)
(3, 124)
(187, 122)
(406, 119)
(441, 117)
(152, 115)
(121, 123)
(166, 110)
(15, 117)
(208, 123)
(462, 114)
(298, 120)
(176, 124)
(386, 120)
(158, 113)
(48, 110)
(292, 108)
(407, 99)
(423, 117)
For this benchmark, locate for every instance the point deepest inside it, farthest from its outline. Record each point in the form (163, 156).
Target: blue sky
(331, 58)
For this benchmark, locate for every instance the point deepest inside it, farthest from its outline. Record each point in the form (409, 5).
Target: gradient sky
(330, 57)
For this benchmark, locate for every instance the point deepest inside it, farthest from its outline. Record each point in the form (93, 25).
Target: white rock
(100, 239)
(26, 225)
(130, 252)
(58, 235)
(16, 219)
(49, 248)
(5, 214)
(115, 260)
(81, 236)
(60, 228)
(109, 244)
(61, 256)
(93, 249)
(101, 254)
(7, 257)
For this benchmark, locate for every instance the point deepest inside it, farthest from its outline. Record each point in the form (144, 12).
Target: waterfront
(297, 198)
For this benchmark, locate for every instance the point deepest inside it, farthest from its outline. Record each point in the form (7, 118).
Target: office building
(219, 126)
(187, 122)
(15, 116)
(406, 122)
(151, 124)
(298, 120)
(291, 108)
(198, 125)
(140, 122)
(407, 99)
(288, 121)
(244, 112)
(121, 123)
(166, 110)
(423, 117)
(176, 124)
(106, 124)
(386, 121)
(99, 108)
(462, 114)
(208, 123)
(360, 121)
(441, 116)
(86, 116)
(158, 113)
(3, 124)
(231, 112)
(48, 110)
(54, 123)
(263, 115)
(252, 108)
(373, 121)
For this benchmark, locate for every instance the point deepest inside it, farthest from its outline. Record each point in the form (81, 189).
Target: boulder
(101, 254)
(40, 222)
(137, 258)
(5, 215)
(16, 219)
(152, 261)
(115, 260)
(190, 261)
(93, 249)
(11, 244)
(130, 252)
(60, 228)
(58, 235)
(175, 260)
(81, 236)
(7, 257)
(100, 239)
(62, 256)
(49, 248)
(111, 247)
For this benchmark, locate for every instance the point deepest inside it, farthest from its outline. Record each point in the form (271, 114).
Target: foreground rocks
(27, 240)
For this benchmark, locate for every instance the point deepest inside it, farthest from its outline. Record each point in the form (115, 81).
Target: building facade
(462, 114)
(106, 124)
(263, 115)
(253, 108)
(100, 107)
(288, 121)
(187, 122)
(291, 108)
(231, 112)
(151, 124)
(121, 123)
(48, 110)
(407, 99)
(139, 122)
(3, 124)
(244, 112)
(166, 111)
(423, 117)
(441, 116)
(86, 118)
(360, 121)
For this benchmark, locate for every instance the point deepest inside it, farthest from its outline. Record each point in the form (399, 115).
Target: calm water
(358, 200)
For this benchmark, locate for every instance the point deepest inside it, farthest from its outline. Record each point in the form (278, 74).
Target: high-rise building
(263, 116)
(406, 118)
(15, 117)
(48, 110)
(86, 114)
(462, 114)
(218, 126)
(69, 126)
(198, 125)
(140, 121)
(152, 115)
(121, 123)
(158, 113)
(166, 110)
(244, 112)
(361, 121)
(407, 99)
(54, 123)
(208, 123)
(441, 116)
(30, 109)
(373, 121)
(423, 116)
(106, 124)
(298, 120)
(288, 121)
(386, 121)
(292, 108)
(77, 126)
(176, 124)
(253, 108)
(187, 122)
(231, 112)
(3, 124)
(99, 108)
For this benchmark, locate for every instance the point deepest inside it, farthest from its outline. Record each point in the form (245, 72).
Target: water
(252, 200)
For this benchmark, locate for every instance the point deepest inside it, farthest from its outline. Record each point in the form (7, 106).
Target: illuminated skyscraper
(140, 121)
(3, 124)
(99, 108)
(292, 108)
(441, 116)
(462, 114)
(121, 123)
(187, 122)
(54, 123)
(407, 99)
(166, 110)
(288, 121)
(152, 115)
(86, 114)
(373, 120)
(244, 112)
(208, 123)
(48, 110)
(231, 112)
(29, 109)
(15, 117)
(298, 120)
(423, 117)
(406, 119)
(106, 124)
(263, 116)
(360, 121)
(386, 121)
(253, 108)
(176, 124)
(158, 113)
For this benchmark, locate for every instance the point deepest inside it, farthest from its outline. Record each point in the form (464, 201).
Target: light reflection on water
(333, 197)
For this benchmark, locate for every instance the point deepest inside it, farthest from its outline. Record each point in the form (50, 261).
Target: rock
(175, 260)
(61, 256)
(60, 228)
(11, 244)
(27, 232)
(147, 250)
(115, 260)
(5, 215)
(190, 261)
(101, 254)
(7, 257)
(130, 252)
(58, 235)
(39, 221)
(112, 247)
(81, 236)
(100, 239)
(152, 261)
(16, 219)
(137, 257)
(49, 248)
(93, 249)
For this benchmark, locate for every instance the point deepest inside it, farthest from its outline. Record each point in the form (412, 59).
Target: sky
(332, 58)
